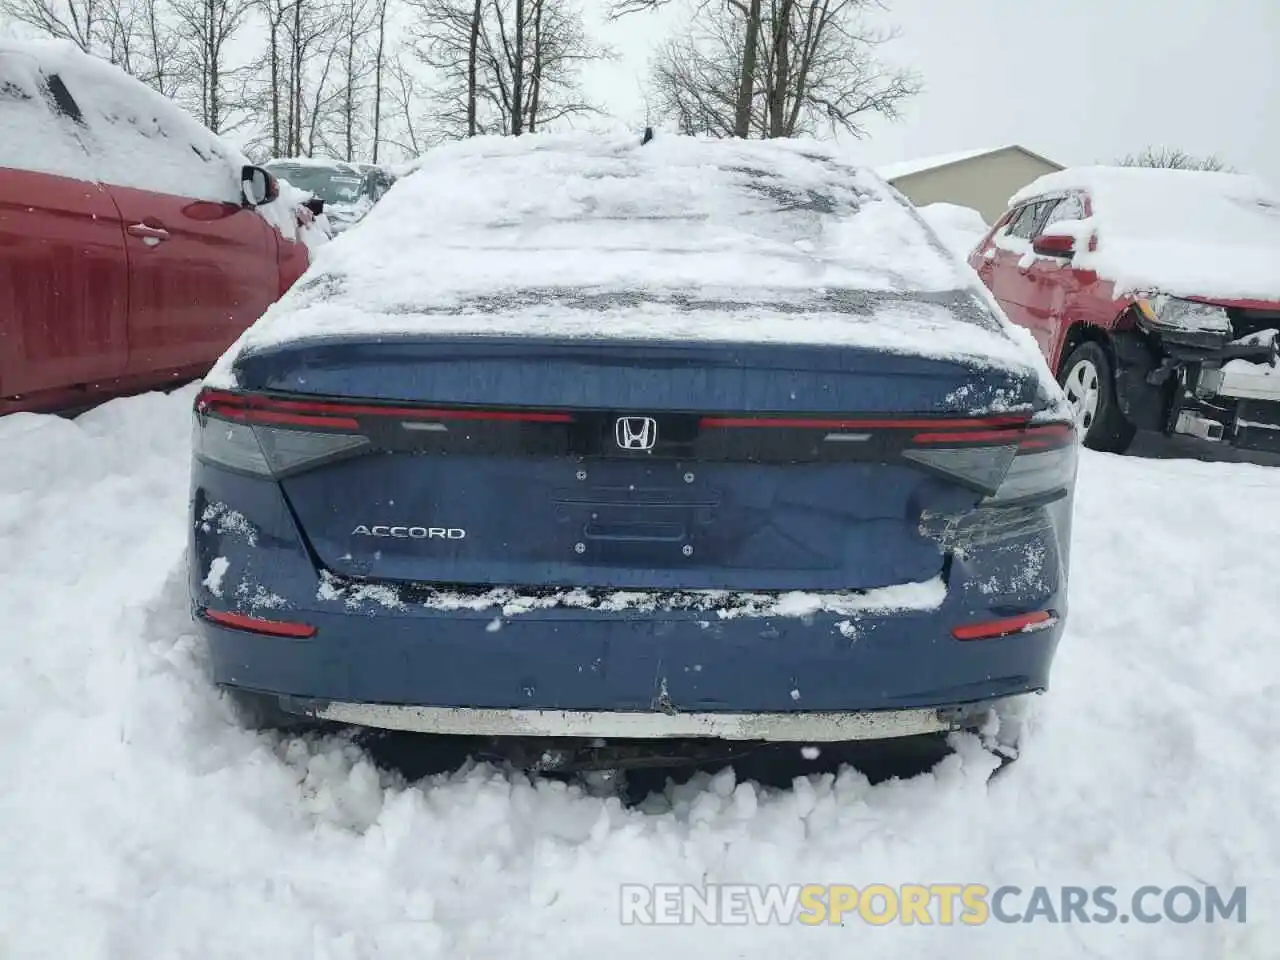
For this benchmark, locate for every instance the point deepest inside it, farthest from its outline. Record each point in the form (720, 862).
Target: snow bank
(961, 228)
(131, 136)
(137, 821)
(1180, 232)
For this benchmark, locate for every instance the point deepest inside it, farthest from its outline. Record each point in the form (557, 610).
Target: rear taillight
(253, 436)
(1008, 464)
(275, 436)
(1021, 473)
(1044, 468)
(1006, 459)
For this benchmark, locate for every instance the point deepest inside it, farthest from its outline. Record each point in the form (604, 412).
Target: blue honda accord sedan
(616, 442)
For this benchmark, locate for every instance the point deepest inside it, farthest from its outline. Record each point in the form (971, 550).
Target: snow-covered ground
(137, 821)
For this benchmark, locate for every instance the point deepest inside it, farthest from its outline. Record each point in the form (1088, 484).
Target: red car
(135, 245)
(1153, 294)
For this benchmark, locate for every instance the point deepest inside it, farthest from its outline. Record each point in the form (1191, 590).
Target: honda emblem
(636, 433)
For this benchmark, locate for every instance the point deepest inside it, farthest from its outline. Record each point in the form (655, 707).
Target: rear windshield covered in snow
(679, 239)
(502, 215)
(617, 305)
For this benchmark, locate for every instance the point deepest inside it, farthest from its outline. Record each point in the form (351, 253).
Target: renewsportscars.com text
(968, 904)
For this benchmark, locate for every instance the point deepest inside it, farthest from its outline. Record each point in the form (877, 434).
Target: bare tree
(379, 71)
(275, 13)
(698, 92)
(120, 35)
(310, 35)
(473, 65)
(405, 94)
(326, 76)
(309, 82)
(162, 67)
(128, 33)
(503, 66)
(301, 40)
(448, 43)
(513, 52)
(1172, 158)
(135, 35)
(80, 21)
(749, 52)
(622, 8)
(355, 23)
(808, 63)
(747, 47)
(206, 31)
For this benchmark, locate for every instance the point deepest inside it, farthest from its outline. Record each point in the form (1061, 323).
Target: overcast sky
(1079, 81)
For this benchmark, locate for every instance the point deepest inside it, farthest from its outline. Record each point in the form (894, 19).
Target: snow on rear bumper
(792, 727)
(599, 665)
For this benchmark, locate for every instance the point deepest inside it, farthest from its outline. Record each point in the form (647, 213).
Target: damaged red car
(1154, 296)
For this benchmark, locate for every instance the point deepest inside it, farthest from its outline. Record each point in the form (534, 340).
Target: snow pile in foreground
(137, 821)
(961, 228)
(1180, 232)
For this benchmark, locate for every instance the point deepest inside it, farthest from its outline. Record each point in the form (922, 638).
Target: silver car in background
(349, 190)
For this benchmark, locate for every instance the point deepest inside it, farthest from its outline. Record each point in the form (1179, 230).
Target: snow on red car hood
(1186, 233)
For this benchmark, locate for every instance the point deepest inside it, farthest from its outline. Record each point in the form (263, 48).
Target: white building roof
(893, 171)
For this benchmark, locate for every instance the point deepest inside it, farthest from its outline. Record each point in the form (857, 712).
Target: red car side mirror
(1054, 245)
(258, 186)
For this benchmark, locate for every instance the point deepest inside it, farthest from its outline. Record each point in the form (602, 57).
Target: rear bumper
(596, 662)
(810, 667)
(792, 727)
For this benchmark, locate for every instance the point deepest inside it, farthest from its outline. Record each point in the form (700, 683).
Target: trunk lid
(641, 465)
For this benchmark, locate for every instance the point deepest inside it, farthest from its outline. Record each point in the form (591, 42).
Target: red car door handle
(150, 235)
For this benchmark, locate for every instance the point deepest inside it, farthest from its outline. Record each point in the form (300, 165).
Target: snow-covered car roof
(494, 235)
(131, 135)
(316, 163)
(1180, 232)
